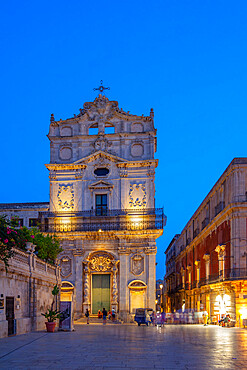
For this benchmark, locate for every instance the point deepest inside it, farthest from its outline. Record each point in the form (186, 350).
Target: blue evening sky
(186, 59)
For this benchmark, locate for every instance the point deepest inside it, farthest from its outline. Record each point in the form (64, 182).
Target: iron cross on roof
(101, 88)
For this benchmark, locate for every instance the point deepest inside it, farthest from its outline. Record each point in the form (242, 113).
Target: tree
(47, 246)
(8, 240)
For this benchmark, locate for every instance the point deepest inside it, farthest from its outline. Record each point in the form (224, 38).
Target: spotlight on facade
(100, 231)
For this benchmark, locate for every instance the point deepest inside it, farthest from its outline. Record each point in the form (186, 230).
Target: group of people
(110, 314)
(103, 315)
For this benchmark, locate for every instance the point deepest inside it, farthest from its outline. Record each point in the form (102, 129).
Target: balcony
(111, 220)
(230, 274)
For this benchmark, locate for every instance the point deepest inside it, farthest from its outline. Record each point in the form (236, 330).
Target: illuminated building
(102, 207)
(211, 252)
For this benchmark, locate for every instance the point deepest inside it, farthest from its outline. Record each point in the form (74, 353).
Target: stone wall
(30, 281)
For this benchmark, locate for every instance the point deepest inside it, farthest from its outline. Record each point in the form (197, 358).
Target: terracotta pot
(50, 326)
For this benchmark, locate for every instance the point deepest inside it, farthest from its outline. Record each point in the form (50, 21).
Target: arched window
(93, 130)
(109, 128)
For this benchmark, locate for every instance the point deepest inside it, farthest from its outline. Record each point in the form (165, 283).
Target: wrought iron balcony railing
(112, 220)
(229, 274)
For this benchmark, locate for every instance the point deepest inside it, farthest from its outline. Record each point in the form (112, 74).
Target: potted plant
(52, 315)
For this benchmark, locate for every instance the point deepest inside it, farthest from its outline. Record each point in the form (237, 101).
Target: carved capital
(206, 257)
(197, 263)
(123, 173)
(220, 249)
(124, 250)
(150, 250)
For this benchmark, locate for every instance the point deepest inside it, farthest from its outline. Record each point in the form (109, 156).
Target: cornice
(62, 166)
(226, 215)
(143, 163)
(117, 135)
(232, 167)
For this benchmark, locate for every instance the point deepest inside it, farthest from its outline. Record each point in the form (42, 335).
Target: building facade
(25, 293)
(170, 276)
(211, 252)
(102, 207)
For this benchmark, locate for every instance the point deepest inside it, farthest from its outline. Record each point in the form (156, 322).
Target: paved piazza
(96, 346)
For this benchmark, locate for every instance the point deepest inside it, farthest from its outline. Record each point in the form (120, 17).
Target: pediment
(101, 184)
(100, 154)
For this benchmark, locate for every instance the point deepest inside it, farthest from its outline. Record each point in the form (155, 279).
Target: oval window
(101, 171)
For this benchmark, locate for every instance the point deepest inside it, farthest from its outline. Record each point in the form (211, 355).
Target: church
(102, 207)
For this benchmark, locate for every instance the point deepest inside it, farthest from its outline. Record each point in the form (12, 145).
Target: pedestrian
(113, 314)
(163, 318)
(99, 314)
(104, 313)
(87, 315)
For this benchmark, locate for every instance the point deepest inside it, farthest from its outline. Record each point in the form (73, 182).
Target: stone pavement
(128, 346)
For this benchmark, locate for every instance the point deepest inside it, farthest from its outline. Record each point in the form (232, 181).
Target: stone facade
(211, 252)
(25, 292)
(102, 207)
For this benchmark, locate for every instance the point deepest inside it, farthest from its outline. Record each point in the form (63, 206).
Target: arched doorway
(100, 282)
(137, 295)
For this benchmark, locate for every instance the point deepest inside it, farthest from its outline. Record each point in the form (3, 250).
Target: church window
(101, 204)
(101, 171)
(93, 130)
(109, 130)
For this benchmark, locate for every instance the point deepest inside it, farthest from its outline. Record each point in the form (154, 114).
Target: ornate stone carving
(151, 173)
(137, 264)
(65, 152)
(124, 250)
(123, 173)
(114, 283)
(137, 149)
(53, 175)
(79, 173)
(66, 266)
(100, 263)
(137, 196)
(86, 284)
(150, 250)
(65, 196)
(101, 143)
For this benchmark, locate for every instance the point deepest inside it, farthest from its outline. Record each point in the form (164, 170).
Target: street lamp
(161, 297)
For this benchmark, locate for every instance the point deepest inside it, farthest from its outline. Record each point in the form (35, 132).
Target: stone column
(86, 302)
(151, 274)
(220, 249)
(114, 303)
(123, 282)
(78, 285)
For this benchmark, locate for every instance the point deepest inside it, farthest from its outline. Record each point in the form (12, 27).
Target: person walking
(87, 315)
(113, 314)
(104, 313)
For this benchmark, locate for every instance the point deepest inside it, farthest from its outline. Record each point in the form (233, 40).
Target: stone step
(96, 320)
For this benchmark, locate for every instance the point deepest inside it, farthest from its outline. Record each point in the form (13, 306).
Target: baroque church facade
(102, 207)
